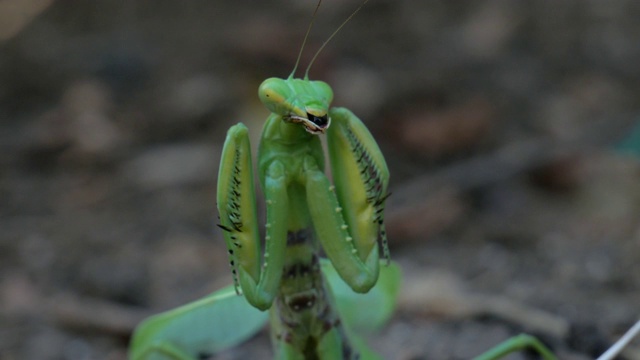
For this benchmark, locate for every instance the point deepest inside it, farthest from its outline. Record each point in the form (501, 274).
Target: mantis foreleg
(237, 208)
(348, 217)
(333, 233)
(361, 177)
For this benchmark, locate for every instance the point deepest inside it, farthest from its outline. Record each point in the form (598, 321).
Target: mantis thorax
(300, 101)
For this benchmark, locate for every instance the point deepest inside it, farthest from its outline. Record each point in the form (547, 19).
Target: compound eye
(321, 121)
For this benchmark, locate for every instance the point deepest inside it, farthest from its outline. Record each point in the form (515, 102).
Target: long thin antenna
(313, 18)
(306, 74)
(620, 344)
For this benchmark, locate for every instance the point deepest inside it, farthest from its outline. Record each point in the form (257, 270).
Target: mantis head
(299, 101)
(302, 101)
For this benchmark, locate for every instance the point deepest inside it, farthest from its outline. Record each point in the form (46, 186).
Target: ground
(506, 126)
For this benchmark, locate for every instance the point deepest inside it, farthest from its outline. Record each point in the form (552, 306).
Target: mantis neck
(293, 133)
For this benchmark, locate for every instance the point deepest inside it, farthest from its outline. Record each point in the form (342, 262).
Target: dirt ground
(507, 127)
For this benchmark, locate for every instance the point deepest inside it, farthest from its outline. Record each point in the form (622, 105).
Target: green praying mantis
(314, 305)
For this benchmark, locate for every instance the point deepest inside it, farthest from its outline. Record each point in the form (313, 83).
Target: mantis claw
(238, 217)
(361, 177)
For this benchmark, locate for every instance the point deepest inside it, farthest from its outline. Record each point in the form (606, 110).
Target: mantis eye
(320, 121)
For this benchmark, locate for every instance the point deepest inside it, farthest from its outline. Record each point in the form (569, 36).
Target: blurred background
(510, 129)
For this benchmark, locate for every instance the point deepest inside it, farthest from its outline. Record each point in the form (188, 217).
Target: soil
(507, 127)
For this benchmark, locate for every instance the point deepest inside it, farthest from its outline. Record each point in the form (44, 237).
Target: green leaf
(370, 311)
(206, 326)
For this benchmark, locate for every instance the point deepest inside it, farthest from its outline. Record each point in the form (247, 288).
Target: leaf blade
(370, 311)
(205, 326)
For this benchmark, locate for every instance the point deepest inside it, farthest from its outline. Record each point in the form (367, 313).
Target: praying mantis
(313, 305)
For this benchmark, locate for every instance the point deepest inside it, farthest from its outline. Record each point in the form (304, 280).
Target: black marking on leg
(223, 227)
(385, 243)
(236, 284)
(382, 199)
(233, 205)
(369, 173)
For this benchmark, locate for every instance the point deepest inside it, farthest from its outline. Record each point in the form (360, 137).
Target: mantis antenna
(313, 18)
(306, 74)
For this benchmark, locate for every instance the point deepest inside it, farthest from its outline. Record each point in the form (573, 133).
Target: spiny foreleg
(349, 217)
(238, 219)
(334, 233)
(361, 177)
